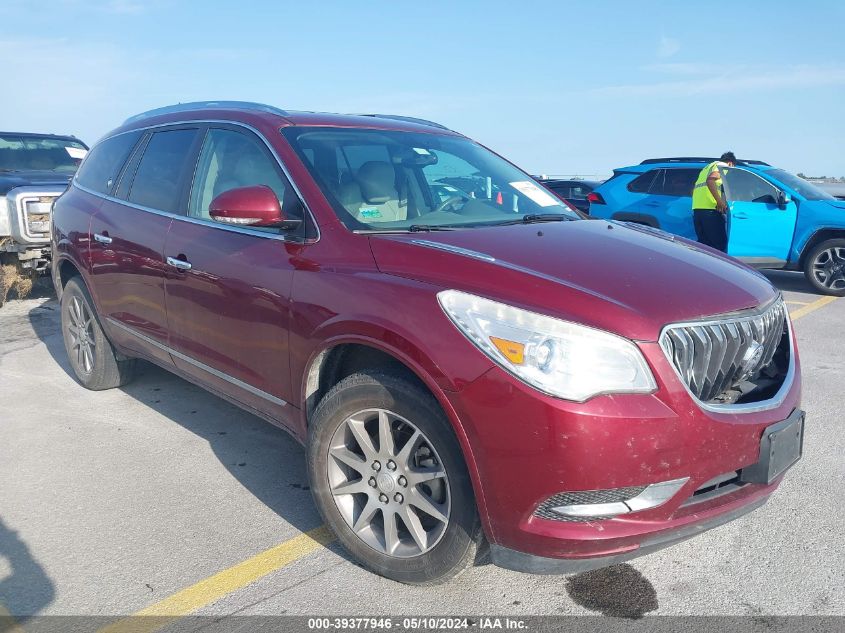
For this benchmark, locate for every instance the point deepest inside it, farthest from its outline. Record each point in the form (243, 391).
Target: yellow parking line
(797, 303)
(8, 624)
(222, 583)
(812, 307)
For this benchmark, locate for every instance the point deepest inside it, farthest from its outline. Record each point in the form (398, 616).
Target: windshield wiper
(418, 228)
(533, 218)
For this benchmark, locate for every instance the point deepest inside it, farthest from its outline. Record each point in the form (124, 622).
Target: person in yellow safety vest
(709, 206)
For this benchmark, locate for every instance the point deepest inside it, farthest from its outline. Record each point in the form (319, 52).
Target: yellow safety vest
(701, 196)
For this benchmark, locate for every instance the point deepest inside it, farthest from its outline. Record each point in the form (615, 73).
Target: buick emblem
(385, 482)
(751, 358)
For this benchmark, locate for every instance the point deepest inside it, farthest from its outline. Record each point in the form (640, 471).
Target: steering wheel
(447, 202)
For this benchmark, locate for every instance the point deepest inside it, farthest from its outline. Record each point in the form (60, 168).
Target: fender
(382, 335)
(355, 332)
(802, 247)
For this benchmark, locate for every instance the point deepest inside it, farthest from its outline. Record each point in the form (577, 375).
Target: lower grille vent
(611, 495)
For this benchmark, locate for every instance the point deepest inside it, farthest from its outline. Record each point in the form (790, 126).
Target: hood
(11, 179)
(606, 275)
(839, 204)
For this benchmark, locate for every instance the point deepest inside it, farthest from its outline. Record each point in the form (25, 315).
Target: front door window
(743, 186)
(230, 160)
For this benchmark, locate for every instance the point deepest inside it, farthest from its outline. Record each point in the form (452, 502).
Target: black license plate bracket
(781, 446)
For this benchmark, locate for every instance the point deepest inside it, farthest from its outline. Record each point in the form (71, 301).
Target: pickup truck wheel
(389, 479)
(94, 361)
(824, 267)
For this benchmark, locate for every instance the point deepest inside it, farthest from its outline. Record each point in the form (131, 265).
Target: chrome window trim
(751, 407)
(178, 216)
(210, 223)
(214, 372)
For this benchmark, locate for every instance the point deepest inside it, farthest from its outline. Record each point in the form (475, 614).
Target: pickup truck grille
(715, 356)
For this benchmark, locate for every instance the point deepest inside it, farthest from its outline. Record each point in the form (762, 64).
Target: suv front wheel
(389, 479)
(824, 267)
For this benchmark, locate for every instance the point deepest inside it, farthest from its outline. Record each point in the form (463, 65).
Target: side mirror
(783, 199)
(256, 205)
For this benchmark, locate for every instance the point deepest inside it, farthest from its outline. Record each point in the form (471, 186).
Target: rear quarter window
(104, 162)
(642, 183)
(676, 182)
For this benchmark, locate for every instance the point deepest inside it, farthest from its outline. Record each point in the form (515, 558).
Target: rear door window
(675, 182)
(159, 180)
(102, 165)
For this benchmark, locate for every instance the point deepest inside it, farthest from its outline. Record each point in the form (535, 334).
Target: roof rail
(204, 105)
(698, 159)
(408, 119)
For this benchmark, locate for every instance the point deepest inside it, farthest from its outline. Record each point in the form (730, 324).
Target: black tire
(457, 547)
(816, 257)
(106, 369)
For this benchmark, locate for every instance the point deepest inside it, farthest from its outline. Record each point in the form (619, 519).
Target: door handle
(102, 238)
(181, 264)
(740, 216)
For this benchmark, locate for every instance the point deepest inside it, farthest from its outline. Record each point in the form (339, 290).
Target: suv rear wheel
(824, 267)
(389, 479)
(95, 363)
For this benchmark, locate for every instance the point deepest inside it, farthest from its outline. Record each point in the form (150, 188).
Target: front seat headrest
(377, 180)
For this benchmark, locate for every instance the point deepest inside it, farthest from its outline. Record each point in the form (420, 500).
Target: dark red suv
(465, 358)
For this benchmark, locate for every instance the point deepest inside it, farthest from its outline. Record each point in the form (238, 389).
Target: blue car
(775, 219)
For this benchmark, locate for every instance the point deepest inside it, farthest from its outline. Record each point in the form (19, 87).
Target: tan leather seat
(372, 197)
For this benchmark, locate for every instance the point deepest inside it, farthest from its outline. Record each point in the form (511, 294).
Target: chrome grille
(712, 357)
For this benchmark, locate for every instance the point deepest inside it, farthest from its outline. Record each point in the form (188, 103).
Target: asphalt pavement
(158, 497)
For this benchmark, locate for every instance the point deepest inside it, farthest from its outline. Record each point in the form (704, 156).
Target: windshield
(37, 153)
(381, 180)
(800, 186)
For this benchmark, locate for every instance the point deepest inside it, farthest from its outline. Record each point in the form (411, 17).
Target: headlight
(37, 214)
(557, 357)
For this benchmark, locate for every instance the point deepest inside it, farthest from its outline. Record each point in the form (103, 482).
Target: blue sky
(557, 87)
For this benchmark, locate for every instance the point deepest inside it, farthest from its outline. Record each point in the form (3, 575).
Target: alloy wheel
(829, 268)
(81, 330)
(389, 483)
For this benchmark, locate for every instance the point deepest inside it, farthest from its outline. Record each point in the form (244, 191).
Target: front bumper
(521, 561)
(528, 447)
(31, 258)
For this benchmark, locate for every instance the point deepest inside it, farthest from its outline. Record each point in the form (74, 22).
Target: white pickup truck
(34, 170)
